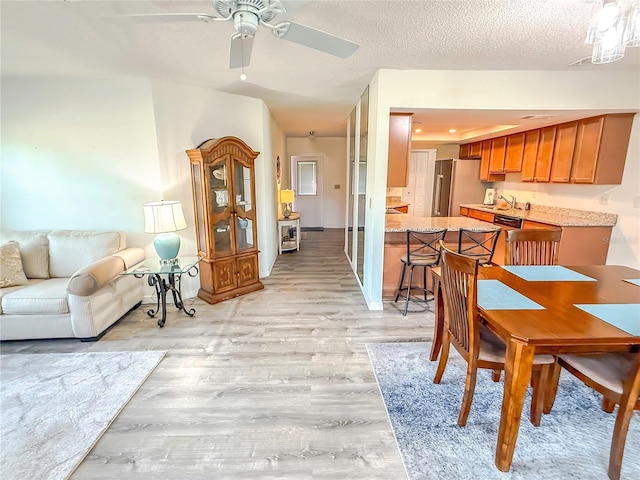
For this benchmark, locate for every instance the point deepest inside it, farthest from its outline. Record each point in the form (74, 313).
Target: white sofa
(73, 284)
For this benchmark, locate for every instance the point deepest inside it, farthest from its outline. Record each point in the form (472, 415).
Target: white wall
(86, 154)
(335, 167)
(486, 90)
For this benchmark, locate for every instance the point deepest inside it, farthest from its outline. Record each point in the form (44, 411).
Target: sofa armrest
(94, 276)
(131, 256)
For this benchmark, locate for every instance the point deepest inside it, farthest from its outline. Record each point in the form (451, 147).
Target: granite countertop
(561, 217)
(402, 223)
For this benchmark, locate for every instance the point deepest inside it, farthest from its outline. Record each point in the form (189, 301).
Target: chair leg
(469, 389)
(444, 356)
(404, 268)
(620, 430)
(406, 300)
(552, 388)
(608, 405)
(424, 282)
(495, 375)
(540, 382)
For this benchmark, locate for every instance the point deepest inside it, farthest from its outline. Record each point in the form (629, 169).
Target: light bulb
(243, 77)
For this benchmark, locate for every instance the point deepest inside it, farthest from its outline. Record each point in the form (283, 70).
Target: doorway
(306, 182)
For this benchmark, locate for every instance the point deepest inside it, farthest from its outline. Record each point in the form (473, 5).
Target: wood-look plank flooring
(275, 384)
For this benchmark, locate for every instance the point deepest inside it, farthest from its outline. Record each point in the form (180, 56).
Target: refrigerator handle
(439, 179)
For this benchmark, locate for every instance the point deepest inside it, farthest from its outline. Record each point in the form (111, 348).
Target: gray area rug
(572, 441)
(54, 407)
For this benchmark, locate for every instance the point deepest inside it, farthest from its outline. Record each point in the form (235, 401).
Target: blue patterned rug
(572, 441)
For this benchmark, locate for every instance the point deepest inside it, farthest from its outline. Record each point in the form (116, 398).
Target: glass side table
(171, 282)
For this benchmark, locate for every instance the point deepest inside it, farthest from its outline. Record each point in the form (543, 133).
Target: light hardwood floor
(275, 384)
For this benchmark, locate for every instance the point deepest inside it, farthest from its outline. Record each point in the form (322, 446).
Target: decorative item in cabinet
(399, 149)
(223, 184)
(515, 151)
(601, 149)
(563, 152)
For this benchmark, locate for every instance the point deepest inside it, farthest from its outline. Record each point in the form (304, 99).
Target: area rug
(572, 441)
(54, 407)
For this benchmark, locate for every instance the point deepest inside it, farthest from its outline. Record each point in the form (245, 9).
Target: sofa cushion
(34, 251)
(46, 297)
(7, 290)
(71, 250)
(11, 272)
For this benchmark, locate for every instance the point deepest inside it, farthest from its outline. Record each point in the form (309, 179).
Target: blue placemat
(547, 273)
(625, 316)
(635, 281)
(495, 295)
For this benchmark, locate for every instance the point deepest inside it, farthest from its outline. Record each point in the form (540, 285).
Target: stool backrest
(479, 244)
(424, 247)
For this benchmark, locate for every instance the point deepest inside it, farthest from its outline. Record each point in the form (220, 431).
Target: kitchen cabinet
(485, 159)
(584, 245)
(465, 151)
(223, 187)
(529, 154)
(563, 152)
(497, 155)
(470, 150)
(544, 157)
(601, 149)
(514, 153)
(399, 149)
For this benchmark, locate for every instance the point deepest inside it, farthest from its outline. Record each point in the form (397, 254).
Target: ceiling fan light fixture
(246, 23)
(614, 25)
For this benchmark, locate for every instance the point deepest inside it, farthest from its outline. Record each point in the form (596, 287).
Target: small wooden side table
(287, 242)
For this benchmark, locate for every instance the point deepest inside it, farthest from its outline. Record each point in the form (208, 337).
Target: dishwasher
(507, 223)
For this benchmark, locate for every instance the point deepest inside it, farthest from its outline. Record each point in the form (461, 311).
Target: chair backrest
(459, 276)
(423, 248)
(536, 246)
(479, 244)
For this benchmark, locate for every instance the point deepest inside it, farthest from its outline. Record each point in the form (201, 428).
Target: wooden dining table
(559, 328)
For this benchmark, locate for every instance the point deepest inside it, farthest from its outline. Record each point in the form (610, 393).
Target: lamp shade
(287, 196)
(163, 216)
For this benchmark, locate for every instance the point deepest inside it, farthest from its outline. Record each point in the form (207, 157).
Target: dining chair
(532, 246)
(423, 250)
(476, 343)
(480, 244)
(616, 376)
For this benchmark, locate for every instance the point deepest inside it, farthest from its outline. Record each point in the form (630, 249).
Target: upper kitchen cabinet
(563, 152)
(485, 161)
(544, 157)
(470, 150)
(529, 154)
(399, 149)
(514, 154)
(601, 149)
(497, 155)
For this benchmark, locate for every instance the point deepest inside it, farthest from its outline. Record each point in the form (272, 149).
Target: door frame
(320, 159)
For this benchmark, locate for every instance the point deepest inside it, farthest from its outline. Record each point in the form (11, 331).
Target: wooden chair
(480, 244)
(535, 246)
(617, 377)
(423, 250)
(475, 343)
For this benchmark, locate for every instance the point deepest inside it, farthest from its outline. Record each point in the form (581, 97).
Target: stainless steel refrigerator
(456, 182)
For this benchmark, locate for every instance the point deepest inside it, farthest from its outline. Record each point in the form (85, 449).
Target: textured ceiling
(305, 89)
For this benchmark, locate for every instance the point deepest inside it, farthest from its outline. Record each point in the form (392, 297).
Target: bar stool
(478, 244)
(423, 250)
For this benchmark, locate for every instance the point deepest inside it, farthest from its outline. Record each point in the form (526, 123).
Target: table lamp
(286, 197)
(164, 218)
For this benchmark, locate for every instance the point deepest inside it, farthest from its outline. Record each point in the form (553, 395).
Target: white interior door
(306, 182)
(419, 190)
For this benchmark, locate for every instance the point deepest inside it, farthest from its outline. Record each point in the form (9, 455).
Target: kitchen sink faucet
(511, 203)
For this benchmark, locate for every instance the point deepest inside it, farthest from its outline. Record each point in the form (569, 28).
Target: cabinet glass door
(243, 202)
(220, 212)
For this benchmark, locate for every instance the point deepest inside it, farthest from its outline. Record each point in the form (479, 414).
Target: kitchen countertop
(402, 223)
(561, 217)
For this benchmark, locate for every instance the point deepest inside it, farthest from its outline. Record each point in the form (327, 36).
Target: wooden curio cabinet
(223, 183)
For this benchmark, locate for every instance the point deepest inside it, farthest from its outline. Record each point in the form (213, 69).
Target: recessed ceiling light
(418, 130)
(452, 130)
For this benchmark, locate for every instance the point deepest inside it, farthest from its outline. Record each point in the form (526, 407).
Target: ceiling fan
(247, 16)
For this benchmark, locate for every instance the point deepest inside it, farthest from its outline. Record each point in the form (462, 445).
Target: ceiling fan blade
(317, 39)
(240, 50)
(160, 17)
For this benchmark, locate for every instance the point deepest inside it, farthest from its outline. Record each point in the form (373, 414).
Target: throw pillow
(11, 272)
